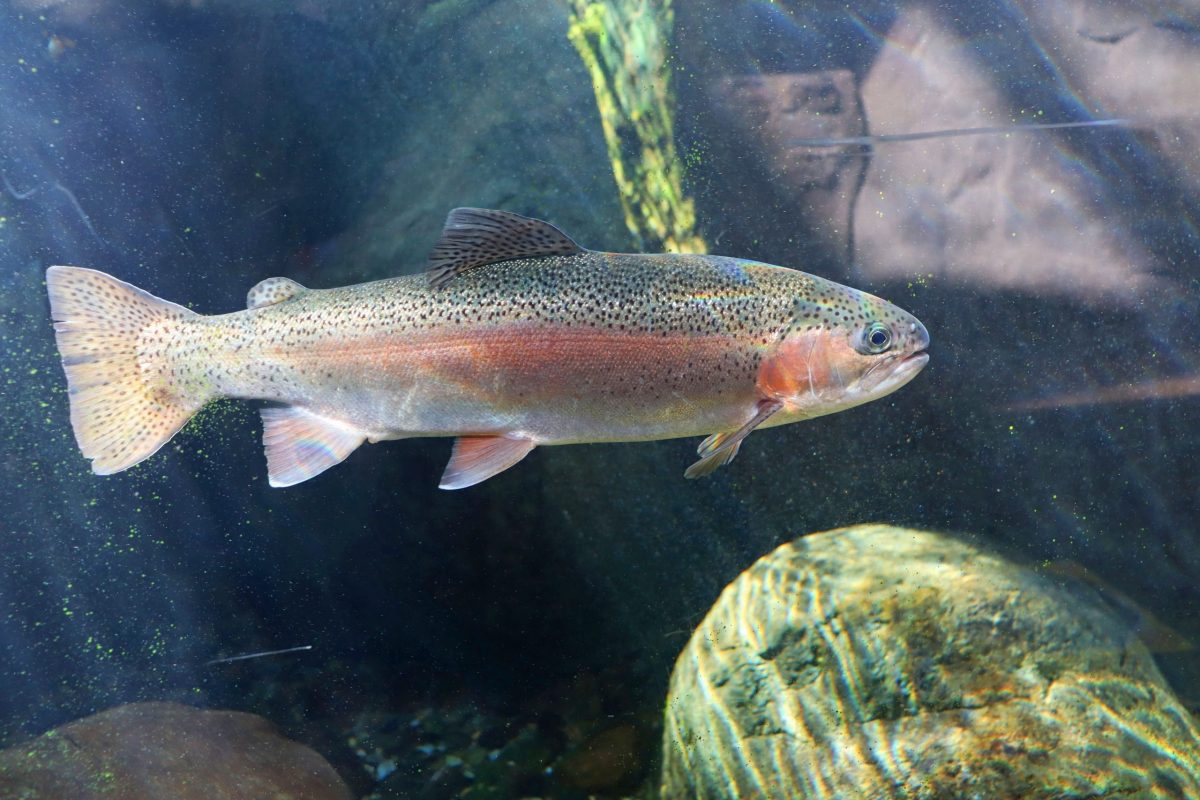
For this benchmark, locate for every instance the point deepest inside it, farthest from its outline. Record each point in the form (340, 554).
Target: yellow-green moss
(623, 44)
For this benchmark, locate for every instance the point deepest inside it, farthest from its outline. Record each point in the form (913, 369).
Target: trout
(514, 337)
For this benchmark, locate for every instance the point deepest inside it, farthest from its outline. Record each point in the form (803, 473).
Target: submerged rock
(880, 662)
(766, 115)
(166, 751)
(1014, 213)
(498, 112)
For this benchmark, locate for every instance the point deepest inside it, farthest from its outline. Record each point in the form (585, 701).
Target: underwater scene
(599, 399)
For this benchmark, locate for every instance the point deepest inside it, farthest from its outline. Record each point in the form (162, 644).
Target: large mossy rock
(167, 751)
(880, 662)
(497, 112)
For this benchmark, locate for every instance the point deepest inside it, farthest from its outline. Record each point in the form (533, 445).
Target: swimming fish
(514, 337)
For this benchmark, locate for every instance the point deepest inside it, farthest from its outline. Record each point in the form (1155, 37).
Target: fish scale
(516, 337)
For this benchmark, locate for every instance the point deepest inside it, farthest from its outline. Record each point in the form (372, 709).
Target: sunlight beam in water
(946, 134)
(262, 654)
(1166, 389)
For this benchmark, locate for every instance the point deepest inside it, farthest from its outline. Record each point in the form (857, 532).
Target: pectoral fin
(301, 444)
(477, 458)
(709, 463)
(721, 448)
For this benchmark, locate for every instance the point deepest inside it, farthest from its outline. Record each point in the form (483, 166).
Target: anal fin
(477, 458)
(301, 444)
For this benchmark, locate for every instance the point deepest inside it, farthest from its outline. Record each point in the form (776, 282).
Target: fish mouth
(910, 365)
(898, 372)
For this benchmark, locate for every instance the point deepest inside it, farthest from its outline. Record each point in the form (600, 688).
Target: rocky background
(196, 148)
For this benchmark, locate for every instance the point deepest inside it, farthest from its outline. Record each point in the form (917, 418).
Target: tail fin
(118, 417)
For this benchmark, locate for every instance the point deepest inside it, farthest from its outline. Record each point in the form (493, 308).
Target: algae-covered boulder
(167, 751)
(880, 662)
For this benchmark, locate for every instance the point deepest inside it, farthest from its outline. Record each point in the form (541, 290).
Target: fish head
(842, 348)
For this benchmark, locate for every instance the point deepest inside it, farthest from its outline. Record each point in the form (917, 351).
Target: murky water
(517, 638)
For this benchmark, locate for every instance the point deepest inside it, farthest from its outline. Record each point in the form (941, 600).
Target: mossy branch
(623, 45)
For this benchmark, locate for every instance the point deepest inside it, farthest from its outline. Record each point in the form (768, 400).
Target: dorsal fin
(476, 237)
(272, 291)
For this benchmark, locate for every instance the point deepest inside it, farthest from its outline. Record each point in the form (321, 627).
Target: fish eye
(876, 338)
